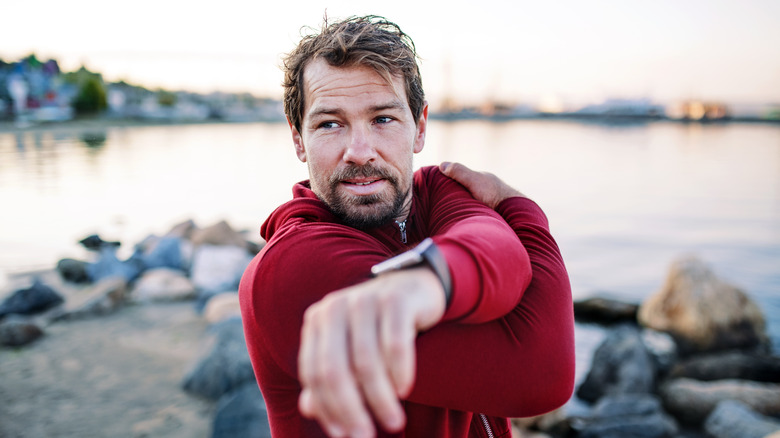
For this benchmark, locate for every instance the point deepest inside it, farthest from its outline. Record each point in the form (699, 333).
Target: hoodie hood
(304, 207)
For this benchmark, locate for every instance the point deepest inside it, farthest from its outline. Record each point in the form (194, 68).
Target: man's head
(369, 41)
(353, 120)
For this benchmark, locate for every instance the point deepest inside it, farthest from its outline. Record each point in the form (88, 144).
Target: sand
(109, 376)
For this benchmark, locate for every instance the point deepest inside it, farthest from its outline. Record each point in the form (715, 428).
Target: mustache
(365, 171)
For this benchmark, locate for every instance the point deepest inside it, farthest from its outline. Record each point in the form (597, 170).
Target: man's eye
(329, 125)
(384, 119)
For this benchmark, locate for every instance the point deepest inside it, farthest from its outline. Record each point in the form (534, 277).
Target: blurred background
(646, 131)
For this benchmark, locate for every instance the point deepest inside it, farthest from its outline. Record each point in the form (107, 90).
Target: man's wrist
(425, 253)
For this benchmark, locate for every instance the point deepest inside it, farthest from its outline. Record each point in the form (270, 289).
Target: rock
(218, 268)
(35, 299)
(95, 243)
(221, 307)
(183, 230)
(662, 349)
(163, 284)
(702, 312)
(691, 401)
(73, 270)
(219, 234)
(733, 419)
(104, 297)
(16, 331)
(225, 367)
(163, 252)
(621, 365)
(242, 413)
(730, 365)
(109, 266)
(627, 415)
(604, 311)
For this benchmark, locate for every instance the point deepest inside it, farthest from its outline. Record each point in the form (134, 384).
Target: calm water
(623, 202)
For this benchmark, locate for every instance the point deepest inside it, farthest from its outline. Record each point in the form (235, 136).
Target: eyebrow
(393, 105)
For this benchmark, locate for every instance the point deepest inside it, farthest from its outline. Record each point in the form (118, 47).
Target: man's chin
(365, 216)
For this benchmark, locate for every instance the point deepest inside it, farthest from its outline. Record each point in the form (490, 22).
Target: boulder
(604, 311)
(16, 331)
(662, 348)
(73, 270)
(733, 419)
(218, 268)
(163, 252)
(242, 413)
(691, 401)
(627, 415)
(182, 230)
(163, 284)
(730, 365)
(620, 365)
(96, 243)
(221, 307)
(703, 312)
(108, 265)
(34, 299)
(103, 298)
(218, 234)
(225, 366)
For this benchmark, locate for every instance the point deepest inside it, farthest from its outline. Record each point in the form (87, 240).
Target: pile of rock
(692, 359)
(187, 263)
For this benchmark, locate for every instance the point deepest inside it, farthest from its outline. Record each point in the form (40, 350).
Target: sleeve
(521, 364)
(292, 271)
(489, 266)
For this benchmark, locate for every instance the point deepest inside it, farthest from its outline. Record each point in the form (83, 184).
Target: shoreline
(82, 124)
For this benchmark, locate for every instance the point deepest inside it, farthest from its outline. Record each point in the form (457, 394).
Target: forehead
(324, 84)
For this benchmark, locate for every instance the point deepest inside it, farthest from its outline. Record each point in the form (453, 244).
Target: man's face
(358, 137)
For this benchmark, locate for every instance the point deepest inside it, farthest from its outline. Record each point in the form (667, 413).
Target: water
(623, 201)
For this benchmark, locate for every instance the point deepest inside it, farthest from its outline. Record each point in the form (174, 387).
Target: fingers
(371, 365)
(484, 186)
(397, 337)
(330, 393)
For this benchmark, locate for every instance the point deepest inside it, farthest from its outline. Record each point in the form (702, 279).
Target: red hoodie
(504, 348)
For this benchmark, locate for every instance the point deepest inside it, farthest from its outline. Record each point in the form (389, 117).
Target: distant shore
(82, 124)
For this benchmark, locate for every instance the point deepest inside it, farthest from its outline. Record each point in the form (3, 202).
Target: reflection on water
(623, 201)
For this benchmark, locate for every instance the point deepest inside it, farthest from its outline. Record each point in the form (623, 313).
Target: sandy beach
(117, 375)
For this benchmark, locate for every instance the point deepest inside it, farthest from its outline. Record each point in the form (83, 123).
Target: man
(470, 322)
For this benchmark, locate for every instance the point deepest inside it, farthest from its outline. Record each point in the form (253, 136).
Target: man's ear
(422, 126)
(300, 151)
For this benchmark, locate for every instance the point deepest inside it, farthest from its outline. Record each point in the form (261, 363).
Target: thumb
(457, 171)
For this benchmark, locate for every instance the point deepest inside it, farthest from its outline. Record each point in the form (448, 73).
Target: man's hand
(357, 355)
(484, 187)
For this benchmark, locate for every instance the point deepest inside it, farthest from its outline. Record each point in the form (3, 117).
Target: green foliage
(91, 97)
(166, 98)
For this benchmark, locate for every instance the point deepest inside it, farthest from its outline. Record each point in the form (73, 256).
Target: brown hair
(367, 41)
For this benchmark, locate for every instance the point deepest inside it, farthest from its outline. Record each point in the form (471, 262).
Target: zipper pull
(402, 227)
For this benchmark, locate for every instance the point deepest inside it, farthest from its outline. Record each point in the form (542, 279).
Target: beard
(364, 212)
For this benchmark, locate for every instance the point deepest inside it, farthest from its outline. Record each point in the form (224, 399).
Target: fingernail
(445, 166)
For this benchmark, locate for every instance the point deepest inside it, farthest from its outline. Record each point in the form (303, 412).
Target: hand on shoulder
(484, 186)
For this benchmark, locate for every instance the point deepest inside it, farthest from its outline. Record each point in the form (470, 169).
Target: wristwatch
(425, 252)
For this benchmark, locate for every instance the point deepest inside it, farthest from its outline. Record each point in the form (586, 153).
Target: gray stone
(73, 270)
(242, 413)
(218, 268)
(691, 401)
(221, 307)
(16, 331)
(730, 365)
(703, 312)
(620, 365)
(219, 234)
(733, 419)
(34, 299)
(604, 311)
(163, 284)
(103, 298)
(628, 415)
(226, 364)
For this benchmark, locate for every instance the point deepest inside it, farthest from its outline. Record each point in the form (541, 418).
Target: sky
(519, 51)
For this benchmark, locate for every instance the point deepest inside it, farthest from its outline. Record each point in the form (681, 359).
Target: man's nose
(360, 149)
